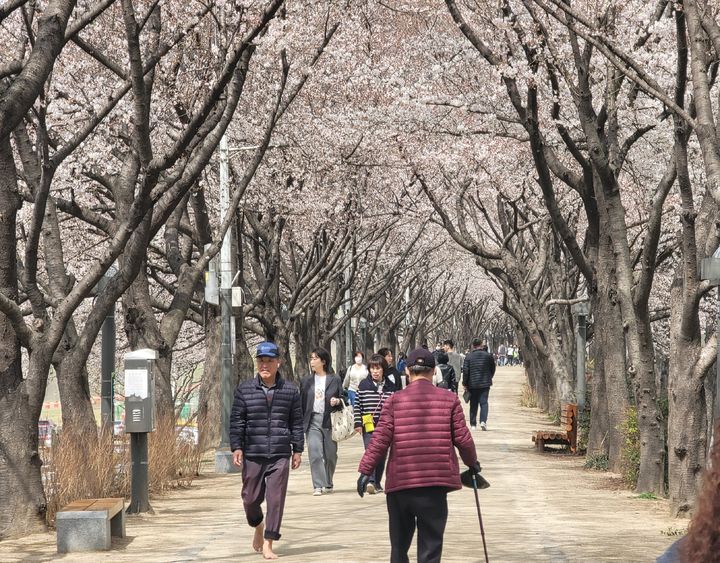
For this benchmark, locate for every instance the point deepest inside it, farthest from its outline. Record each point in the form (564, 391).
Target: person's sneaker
(370, 489)
(473, 427)
(327, 490)
(379, 489)
(317, 492)
(483, 426)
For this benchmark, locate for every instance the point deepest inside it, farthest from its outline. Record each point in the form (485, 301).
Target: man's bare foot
(267, 551)
(258, 538)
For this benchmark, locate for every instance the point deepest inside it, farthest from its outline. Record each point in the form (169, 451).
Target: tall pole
(223, 457)
(140, 500)
(349, 352)
(580, 342)
(107, 368)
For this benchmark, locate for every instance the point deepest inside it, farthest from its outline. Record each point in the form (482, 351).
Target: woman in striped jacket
(373, 391)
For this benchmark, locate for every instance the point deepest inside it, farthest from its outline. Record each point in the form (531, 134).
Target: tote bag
(343, 423)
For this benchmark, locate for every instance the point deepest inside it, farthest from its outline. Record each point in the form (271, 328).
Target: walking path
(538, 508)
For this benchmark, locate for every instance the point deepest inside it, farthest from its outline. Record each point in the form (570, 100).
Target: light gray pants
(322, 453)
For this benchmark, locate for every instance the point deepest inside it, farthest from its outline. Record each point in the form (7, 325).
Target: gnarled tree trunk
(22, 499)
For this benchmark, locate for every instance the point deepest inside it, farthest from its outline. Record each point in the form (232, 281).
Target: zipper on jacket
(269, 410)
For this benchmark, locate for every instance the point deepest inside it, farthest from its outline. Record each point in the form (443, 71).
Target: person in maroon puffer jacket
(421, 426)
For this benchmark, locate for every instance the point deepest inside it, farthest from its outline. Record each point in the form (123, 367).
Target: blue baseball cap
(268, 349)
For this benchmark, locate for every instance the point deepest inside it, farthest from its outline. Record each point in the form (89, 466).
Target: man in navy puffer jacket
(266, 429)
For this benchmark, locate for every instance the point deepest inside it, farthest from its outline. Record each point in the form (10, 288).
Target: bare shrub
(528, 397)
(79, 468)
(75, 469)
(172, 462)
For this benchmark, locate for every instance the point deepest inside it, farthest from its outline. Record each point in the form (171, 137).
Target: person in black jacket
(266, 429)
(319, 395)
(448, 372)
(478, 371)
(391, 373)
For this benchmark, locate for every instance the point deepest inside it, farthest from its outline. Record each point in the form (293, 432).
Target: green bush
(598, 462)
(630, 455)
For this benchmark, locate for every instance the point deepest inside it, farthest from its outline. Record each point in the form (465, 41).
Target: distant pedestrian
(455, 358)
(373, 391)
(449, 379)
(502, 354)
(420, 426)
(478, 372)
(391, 374)
(319, 395)
(402, 360)
(354, 375)
(266, 429)
(510, 353)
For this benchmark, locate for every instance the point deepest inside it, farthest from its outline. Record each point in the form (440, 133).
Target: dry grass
(76, 469)
(99, 468)
(173, 463)
(528, 397)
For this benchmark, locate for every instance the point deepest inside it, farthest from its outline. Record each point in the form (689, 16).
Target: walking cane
(477, 503)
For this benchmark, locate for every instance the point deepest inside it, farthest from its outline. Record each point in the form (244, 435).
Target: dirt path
(539, 508)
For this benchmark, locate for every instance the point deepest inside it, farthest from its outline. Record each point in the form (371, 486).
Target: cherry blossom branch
(19, 97)
(611, 52)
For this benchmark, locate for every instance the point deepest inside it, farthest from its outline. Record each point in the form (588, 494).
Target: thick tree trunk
(687, 423)
(610, 392)
(77, 412)
(651, 477)
(22, 499)
(209, 400)
(287, 370)
(537, 379)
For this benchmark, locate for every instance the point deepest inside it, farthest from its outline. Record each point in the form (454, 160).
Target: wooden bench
(87, 525)
(565, 435)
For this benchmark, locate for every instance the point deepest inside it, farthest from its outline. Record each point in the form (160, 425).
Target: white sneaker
(473, 427)
(370, 489)
(327, 490)
(483, 426)
(317, 492)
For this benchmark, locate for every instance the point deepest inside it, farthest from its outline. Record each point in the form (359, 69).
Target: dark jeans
(425, 507)
(265, 479)
(376, 477)
(479, 396)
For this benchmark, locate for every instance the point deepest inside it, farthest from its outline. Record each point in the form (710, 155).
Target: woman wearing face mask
(373, 391)
(355, 374)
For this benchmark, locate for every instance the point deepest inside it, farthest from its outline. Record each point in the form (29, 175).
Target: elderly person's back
(420, 426)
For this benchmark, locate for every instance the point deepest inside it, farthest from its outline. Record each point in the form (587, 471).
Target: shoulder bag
(343, 423)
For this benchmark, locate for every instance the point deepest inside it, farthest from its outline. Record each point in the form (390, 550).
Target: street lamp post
(223, 455)
(581, 311)
(107, 356)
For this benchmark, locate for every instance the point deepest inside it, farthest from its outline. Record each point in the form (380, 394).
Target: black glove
(362, 482)
(473, 474)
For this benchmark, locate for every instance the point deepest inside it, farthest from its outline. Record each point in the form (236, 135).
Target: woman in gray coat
(319, 395)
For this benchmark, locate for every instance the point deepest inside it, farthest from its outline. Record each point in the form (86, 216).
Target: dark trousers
(479, 397)
(376, 477)
(425, 507)
(265, 479)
